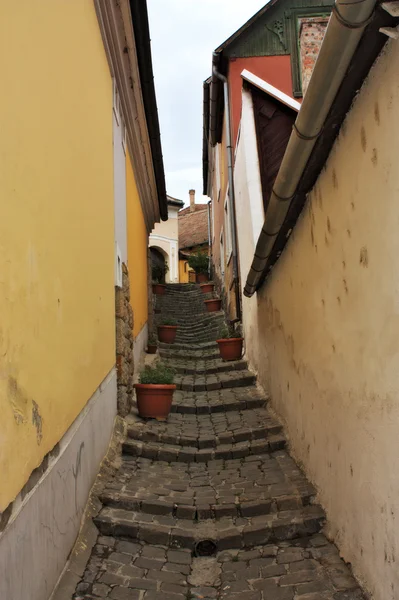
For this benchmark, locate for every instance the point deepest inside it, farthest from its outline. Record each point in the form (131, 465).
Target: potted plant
(230, 344)
(200, 263)
(167, 331)
(152, 344)
(158, 278)
(207, 287)
(155, 391)
(213, 305)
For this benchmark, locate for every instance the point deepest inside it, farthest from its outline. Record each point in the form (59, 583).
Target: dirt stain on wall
(364, 257)
(18, 400)
(363, 139)
(37, 422)
(377, 113)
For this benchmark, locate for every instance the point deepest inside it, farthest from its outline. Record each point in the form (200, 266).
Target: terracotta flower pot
(151, 348)
(207, 287)
(158, 288)
(167, 333)
(154, 401)
(201, 277)
(231, 348)
(213, 305)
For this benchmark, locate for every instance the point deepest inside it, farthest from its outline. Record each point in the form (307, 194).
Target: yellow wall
(137, 242)
(183, 273)
(56, 227)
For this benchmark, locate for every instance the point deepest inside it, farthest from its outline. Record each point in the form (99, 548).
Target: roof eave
(143, 48)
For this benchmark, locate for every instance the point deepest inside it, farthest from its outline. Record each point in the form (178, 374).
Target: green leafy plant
(158, 273)
(157, 374)
(152, 339)
(199, 262)
(168, 321)
(228, 332)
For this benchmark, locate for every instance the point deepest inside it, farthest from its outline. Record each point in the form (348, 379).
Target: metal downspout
(345, 29)
(231, 195)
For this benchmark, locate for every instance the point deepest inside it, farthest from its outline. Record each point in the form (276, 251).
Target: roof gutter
(230, 167)
(347, 24)
(143, 49)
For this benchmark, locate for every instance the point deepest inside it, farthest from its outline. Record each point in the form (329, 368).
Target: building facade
(272, 46)
(317, 263)
(83, 186)
(164, 242)
(194, 234)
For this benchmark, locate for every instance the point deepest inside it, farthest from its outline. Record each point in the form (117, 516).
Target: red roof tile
(193, 226)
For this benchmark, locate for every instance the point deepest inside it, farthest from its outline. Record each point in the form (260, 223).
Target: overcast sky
(184, 34)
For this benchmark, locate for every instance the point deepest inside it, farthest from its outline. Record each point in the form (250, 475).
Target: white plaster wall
(139, 345)
(36, 543)
(120, 190)
(324, 333)
(248, 191)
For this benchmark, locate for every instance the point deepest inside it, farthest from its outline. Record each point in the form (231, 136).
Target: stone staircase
(209, 504)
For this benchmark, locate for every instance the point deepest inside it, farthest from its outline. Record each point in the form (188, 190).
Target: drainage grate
(205, 548)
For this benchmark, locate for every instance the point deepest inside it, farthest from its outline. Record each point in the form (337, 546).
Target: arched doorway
(159, 264)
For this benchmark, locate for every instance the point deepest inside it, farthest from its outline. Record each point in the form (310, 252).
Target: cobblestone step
(187, 454)
(217, 401)
(209, 505)
(304, 569)
(193, 355)
(199, 347)
(190, 367)
(202, 383)
(235, 488)
(226, 533)
(205, 431)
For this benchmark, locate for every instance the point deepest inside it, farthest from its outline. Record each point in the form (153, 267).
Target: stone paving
(209, 505)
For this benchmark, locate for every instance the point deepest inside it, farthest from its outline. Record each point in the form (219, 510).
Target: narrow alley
(199, 300)
(209, 504)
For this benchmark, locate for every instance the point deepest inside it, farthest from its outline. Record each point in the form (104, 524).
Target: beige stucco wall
(165, 237)
(324, 334)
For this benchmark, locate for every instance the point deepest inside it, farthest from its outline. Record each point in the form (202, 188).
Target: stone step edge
(202, 511)
(216, 406)
(226, 367)
(234, 382)
(195, 347)
(173, 356)
(186, 454)
(141, 434)
(279, 527)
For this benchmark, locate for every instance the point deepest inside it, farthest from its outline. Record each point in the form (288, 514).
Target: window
(227, 226)
(221, 252)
